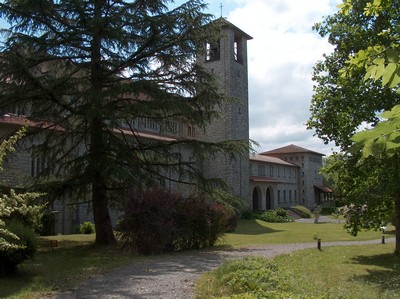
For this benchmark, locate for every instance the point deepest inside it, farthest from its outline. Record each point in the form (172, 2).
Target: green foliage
(281, 212)
(86, 228)
(302, 211)
(7, 146)
(16, 241)
(343, 101)
(365, 185)
(247, 214)
(274, 216)
(367, 32)
(23, 248)
(383, 139)
(157, 221)
(250, 278)
(249, 275)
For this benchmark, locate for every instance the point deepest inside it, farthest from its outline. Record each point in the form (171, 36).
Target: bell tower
(227, 60)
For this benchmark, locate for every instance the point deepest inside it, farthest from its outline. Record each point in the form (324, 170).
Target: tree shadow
(252, 227)
(13, 283)
(384, 271)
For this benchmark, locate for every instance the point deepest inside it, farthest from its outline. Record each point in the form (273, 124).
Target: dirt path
(173, 276)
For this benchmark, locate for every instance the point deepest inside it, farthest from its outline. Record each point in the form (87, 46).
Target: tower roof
(226, 24)
(290, 149)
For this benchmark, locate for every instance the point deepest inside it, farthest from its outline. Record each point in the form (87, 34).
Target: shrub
(281, 212)
(247, 215)
(22, 249)
(86, 228)
(273, 217)
(157, 221)
(302, 211)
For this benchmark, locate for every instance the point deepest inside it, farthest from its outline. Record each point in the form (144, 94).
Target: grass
(371, 271)
(257, 232)
(367, 272)
(72, 262)
(76, 258)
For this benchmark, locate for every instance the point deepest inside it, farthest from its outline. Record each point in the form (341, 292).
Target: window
(38, 166)
(271, 171)
(212, 51)
(279, 196)
(149, 124)
(237, 49)
(284, 195)
(261, 170)
(290, 195)
(191, 131)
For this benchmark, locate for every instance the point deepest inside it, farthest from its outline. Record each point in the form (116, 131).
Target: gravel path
(173, 276)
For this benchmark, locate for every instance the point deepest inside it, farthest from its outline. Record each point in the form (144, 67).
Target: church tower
(227, 59)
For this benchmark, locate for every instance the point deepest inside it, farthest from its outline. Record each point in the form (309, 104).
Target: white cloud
(281, 57)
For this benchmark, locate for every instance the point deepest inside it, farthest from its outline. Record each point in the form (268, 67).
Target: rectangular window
(149, 124)
(237, 49)
(212, 51)
(261, 170)
(191, 131)
(38, 166)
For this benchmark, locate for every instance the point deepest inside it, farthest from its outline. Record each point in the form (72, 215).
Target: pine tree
(84, 70)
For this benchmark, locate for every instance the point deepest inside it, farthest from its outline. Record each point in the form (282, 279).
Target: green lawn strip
(367, 271)
(74, 260)
(257, 232)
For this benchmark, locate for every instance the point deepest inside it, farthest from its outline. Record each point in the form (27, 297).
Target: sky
(281, 56)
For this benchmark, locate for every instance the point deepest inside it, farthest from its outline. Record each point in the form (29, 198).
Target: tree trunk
(397, 221)
(102, 219)
(101, 214)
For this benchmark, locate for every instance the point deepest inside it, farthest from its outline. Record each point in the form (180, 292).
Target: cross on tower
(221, 6)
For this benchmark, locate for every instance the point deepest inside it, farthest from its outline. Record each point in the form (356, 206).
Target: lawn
(74, 260)
(257, 232)
(356, 272)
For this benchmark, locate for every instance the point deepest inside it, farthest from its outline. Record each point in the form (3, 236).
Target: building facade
(287, 176)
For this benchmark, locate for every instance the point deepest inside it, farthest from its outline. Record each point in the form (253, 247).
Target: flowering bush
(273, 216)
(14, 247)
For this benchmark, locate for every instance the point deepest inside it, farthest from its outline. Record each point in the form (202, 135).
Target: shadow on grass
(252, 227)
(67, 265)
(382, 270)
(14, 283)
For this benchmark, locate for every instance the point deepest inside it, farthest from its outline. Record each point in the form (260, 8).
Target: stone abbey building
(282, 177)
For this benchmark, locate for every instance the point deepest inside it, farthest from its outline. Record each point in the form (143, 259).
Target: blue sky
(281, 57)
